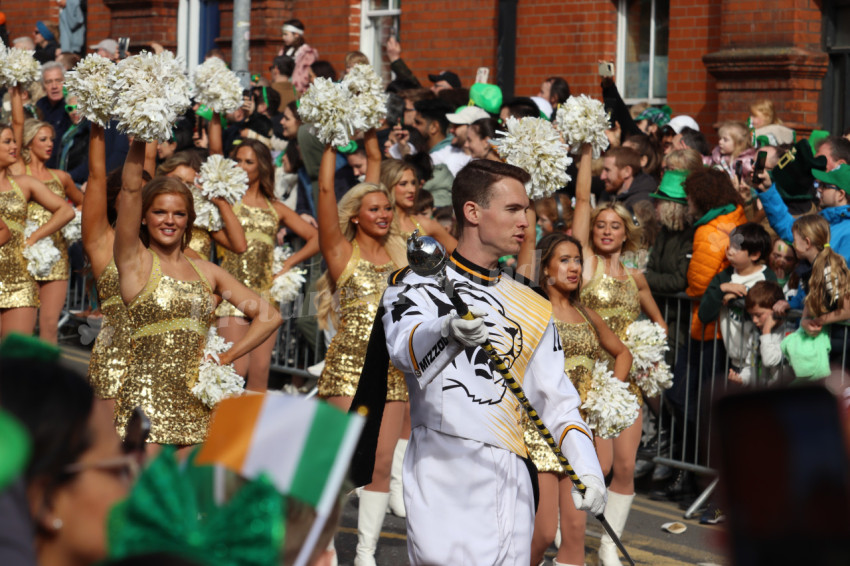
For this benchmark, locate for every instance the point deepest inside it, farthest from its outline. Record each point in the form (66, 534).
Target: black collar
(473, 272)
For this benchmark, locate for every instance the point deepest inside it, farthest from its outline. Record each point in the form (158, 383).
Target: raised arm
(150, 159)
(581, 216)
(97, 232)
(332, 243)
(18, 115)
(373, 157)
(303, 230)
(215, 135)
(133, 265)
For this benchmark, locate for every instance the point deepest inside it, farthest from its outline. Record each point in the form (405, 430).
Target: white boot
(396, 488)
(616, 511)
(370, 519)
(557, 540)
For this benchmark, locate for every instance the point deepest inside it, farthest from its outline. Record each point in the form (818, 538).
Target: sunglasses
(70, 108)
(823, 186)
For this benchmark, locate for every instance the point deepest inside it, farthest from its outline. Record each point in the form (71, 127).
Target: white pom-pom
(221, 177)
(328, 110)
(151, 94)
(18, 66)
(609, 405)
(215, 381)
(41, 256)
(647, 342)
(286, 287)
(207, 215)
(217, 87)
(73, 230)
(584, 120)
(91, 81)
(534, 144)
(369, 99)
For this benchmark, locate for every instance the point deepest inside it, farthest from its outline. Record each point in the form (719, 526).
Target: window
(642, 33)
(835, 102)
(381, 19)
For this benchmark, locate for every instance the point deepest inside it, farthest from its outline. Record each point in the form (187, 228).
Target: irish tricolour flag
(303, 445)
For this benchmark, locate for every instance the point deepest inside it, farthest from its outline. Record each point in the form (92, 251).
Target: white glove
(594, 497)
(467, 332)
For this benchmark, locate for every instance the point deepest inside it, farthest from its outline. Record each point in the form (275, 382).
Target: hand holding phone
(606, 69)
(758, 168)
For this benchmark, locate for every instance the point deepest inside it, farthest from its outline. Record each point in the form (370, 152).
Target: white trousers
(467, 503)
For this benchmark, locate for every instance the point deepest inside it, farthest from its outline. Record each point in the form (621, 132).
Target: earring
(356, 221)
(56, 524)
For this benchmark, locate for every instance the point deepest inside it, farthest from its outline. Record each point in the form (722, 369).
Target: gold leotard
(61, 269)
(360, 288)
(617, 302)
(201, 242)
(17, 287)
(170, 319)
(111, 351)
(253, 268)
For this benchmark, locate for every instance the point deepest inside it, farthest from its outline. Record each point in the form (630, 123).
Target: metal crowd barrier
(702, 378)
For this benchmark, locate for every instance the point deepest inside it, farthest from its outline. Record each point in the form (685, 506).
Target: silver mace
(427, 258)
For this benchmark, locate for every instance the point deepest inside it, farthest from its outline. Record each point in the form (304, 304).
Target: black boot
(681, 488)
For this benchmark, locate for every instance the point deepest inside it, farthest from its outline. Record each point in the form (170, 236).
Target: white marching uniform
(467, 490)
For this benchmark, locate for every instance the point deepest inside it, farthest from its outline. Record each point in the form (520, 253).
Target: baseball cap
(543, 105)
(108, 45)
(839, 177)
(678, 123)
(447, 76)
(465, 115)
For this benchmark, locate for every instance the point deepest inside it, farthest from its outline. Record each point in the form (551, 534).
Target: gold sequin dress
(170, 319)
(111, 351)
(201, 242)
(61, 269)
(617, 302)
(581, 350)
(253, 268)
(360, 288)
(17, 287)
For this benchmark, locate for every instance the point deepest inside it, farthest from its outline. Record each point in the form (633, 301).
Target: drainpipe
(241, 41)
(506, 51)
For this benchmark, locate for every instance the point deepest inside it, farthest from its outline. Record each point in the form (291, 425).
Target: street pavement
(644, 538)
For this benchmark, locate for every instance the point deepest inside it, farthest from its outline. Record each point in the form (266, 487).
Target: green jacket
(667, 269)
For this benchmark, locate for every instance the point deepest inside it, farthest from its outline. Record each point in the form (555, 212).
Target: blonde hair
(683, 160)
(739, 134)
(353, 58)
(672, 215)
(348, 207)
(830, 276)
(633, 233)
(765, 107)
(31, 128)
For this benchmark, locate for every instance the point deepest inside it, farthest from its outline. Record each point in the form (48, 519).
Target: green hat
(14, 448)
(486, 96)
(659, 116)
(671, 187)
(839, 177)
(793, 174)
(816, 137)
(19, 346)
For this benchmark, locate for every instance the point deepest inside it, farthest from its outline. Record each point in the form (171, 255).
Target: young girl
(361, 252)
(584, 335)
(763, 113)
(478, 140)
(733, 147)
(297, 48)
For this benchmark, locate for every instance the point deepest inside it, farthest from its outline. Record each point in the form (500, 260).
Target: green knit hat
(486, 96)
(839, 177)
(672, 187)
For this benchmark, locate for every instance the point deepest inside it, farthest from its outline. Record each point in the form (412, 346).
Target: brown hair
(265, 165)
(830, 276)
(546, 246)
(643, 145)
(168, 186)
(710, 188)
(548, 207)
(763, 294)
(187, 158)
(473, 183)
(683, 160)
(353, 58)
(625, 157)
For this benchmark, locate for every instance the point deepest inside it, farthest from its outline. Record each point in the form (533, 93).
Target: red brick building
(706, 58)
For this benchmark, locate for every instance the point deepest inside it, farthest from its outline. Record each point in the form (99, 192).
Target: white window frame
(367, 29)
(622, 9)
(188, 32)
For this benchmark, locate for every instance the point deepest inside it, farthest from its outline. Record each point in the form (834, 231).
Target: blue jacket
(781, 221)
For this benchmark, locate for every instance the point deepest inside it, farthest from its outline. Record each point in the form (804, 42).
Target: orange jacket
(709, 258)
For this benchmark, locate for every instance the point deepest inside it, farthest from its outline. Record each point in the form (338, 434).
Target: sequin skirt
(17, 287)
(342, 374)
(112, 349)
